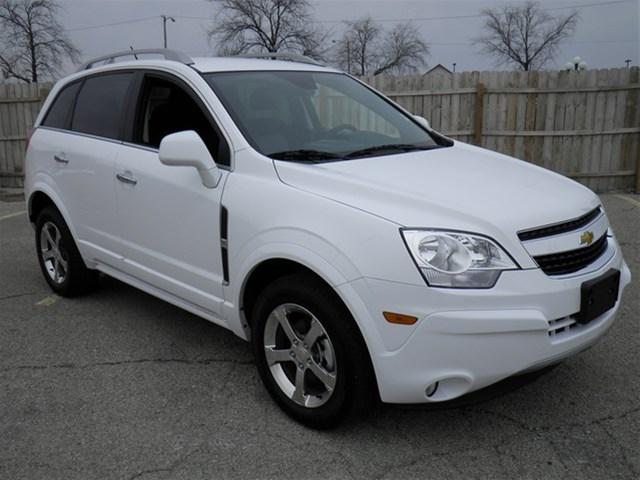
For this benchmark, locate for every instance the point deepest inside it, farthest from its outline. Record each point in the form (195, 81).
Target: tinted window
(100, 105)
(60, 111)
(167, 108)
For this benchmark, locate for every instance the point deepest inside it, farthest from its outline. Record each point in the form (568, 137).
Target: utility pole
(348, 54)
(628, 62)
(164, 27)
(454, 67)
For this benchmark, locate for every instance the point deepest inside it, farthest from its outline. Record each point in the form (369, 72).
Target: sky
(608, 32)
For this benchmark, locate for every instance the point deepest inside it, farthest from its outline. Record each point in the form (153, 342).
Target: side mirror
(186, 149)
(422, 121)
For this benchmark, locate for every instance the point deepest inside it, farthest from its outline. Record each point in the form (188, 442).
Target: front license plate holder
(598, 296)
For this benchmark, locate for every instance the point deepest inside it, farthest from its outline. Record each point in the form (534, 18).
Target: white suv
(363, 254)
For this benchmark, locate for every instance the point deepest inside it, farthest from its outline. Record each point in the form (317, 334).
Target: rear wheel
(59, 258)
(310, 354)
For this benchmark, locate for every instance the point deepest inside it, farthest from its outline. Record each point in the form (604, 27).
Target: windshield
(315, 116)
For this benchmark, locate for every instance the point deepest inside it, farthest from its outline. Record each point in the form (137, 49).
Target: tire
(330, 360)
(59, 258)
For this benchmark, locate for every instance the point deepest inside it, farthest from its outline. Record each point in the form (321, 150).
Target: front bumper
(468, 339)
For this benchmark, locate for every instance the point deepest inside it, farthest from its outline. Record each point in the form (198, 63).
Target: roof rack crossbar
(166, 53)
(286, 56)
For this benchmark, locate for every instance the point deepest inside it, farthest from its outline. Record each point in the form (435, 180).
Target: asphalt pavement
(118, 384)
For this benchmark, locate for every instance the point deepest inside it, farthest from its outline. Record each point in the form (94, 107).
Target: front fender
(306, 248)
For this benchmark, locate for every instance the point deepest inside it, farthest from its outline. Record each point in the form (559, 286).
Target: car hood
(460, 187)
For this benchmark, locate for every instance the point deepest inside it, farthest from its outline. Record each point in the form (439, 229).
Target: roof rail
(168, 55)
(286, 56)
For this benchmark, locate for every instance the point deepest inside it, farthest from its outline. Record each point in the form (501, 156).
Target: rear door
(82, 145)
(170, 221)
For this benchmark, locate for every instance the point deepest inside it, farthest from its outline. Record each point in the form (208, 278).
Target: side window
(59, 113)
(100, 105)
(166, 108)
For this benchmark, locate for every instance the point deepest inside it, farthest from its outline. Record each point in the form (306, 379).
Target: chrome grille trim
(561, 227)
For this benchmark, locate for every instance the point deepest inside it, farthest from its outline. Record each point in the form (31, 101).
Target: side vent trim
(224, 243)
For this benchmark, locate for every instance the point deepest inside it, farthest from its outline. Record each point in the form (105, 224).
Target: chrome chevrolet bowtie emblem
(586, 238)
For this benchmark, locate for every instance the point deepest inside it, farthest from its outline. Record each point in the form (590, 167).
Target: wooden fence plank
(478, 114)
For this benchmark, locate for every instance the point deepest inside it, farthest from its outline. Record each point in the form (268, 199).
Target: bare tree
(33, 42)
(358, 49)
(524, 35)
(244, 26)
(403, 50)
(365, 48)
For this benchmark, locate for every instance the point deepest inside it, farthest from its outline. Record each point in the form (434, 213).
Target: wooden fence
(585, 125)
(19, 107)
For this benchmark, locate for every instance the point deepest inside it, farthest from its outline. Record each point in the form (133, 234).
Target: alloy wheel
(53, 255)
(300, 355)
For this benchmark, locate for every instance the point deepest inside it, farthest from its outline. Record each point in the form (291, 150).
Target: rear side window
(100, 105)
(59, 114)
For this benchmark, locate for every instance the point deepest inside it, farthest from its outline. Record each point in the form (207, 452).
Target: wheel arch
(265, 259)
(37, 202)
(272, 260)
(42, 196)
(265, 272)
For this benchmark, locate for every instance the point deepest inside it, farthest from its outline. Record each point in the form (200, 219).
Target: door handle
(126, 179)
(60, 159)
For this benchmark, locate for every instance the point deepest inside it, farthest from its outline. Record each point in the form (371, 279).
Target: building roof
(439, 68)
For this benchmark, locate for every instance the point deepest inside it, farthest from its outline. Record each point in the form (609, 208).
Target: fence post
(478, 114)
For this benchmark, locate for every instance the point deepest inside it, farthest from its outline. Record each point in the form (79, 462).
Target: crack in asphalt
(539, 431)
(169, 468)
(72, 366)
(397, 466)
(546, 428)
(623, 451)
(18, 295)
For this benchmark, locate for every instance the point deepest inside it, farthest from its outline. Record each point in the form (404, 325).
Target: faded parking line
(11, 215)
(632, 201)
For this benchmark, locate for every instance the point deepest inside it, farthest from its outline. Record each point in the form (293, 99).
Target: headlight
(456, 259)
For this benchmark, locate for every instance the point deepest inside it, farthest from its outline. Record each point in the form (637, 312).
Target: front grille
(571, 261)
(558, 228)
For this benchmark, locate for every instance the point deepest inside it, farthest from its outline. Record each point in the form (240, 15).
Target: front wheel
(310, 354)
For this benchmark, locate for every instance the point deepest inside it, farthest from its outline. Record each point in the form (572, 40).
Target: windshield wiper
(389, 148)
(304, 155)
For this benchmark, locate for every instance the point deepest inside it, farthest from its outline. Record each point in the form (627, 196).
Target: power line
(585, 5)
(124, 22)
(192, 18)
(576, 42)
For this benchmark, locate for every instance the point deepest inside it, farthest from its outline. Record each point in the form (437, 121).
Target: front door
(170, 221)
